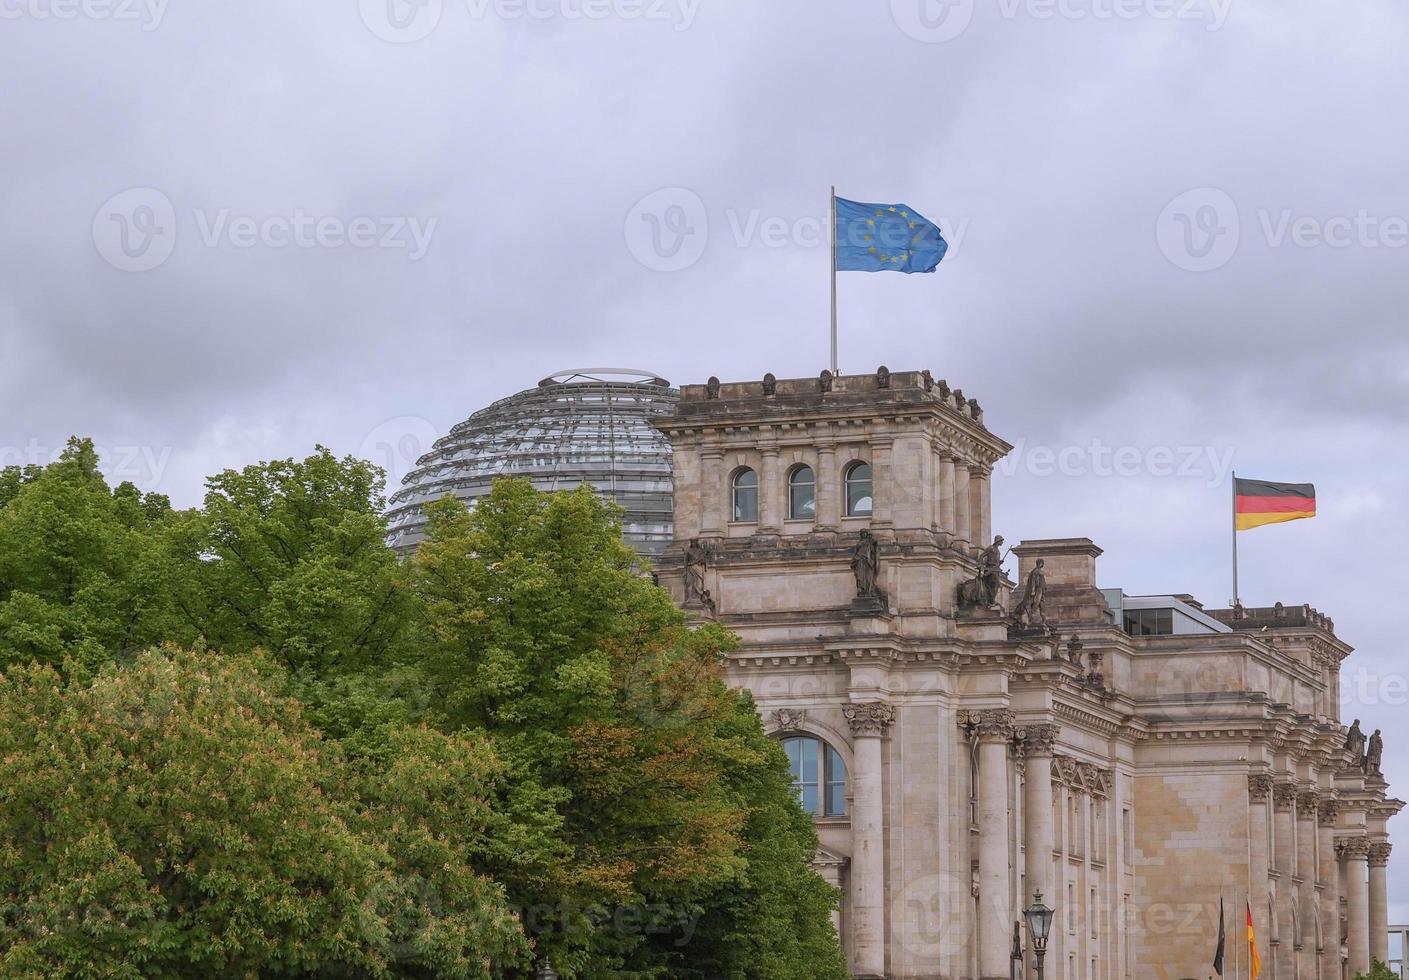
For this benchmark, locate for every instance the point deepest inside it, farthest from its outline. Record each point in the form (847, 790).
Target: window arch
(818, 774)
(743, 492)
(860, 500)
(802, 494)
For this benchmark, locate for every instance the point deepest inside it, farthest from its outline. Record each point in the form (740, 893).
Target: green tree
(84, 574)
(1378, 971)
(539, 632)
(290, 557)
(176, 817)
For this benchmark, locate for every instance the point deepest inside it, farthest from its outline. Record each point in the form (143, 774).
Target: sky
(1179, 236)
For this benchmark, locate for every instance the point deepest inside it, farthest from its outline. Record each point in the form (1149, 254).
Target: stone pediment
(829, 859)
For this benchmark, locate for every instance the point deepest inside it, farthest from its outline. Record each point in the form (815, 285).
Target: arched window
(802, 494)
(745, 496)
(858, 490)
(819, 775)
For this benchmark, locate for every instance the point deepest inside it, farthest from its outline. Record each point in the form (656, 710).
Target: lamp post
(1015, 967)
(1039, 925)
(546, 972)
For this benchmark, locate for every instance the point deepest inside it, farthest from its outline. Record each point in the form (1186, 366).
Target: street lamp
(1039, 924)
(546, 972)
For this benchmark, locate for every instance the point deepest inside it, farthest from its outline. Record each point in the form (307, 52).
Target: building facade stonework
(966, 740)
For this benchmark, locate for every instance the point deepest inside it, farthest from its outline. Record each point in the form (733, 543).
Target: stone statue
(990, 567)
(928, 379)
(982, 590)
(696, 561)
(712, 388)
(944, 391)
(882, 377)
(1031, 612)
(770, 384)
(865, 564)
(1375, 756)
(824, 381)
(1355, 742)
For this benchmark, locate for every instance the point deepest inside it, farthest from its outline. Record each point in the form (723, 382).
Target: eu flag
(877, 237)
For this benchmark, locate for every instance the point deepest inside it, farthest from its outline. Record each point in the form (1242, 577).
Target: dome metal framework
(585, 425)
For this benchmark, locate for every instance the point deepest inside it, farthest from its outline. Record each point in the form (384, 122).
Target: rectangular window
(1149, 622)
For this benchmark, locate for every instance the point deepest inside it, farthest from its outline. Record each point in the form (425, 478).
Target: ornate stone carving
(789, 719)
(944, 392)
(1329, 810)
(824, 382)
(1064, 771)
(882, 377)
(770, 384)
(990, 723)
(1352, 848)
(873, 718)
(1307, 801)
(928, 379)
(1036, 740)
(1259, 785)
(1355, 742)
(1284, 795)
(712, 388)
(1379, 853)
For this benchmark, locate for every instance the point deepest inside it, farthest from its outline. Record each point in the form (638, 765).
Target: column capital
(1307, 802)
(1284, 795)
(1352, 848)
(872, 719)
(990, 724)
(1259, 785)
(1036, 740)
(1379, 853)
(1330, 809)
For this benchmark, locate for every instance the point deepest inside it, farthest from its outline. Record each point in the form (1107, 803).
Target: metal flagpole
(1237, 600)
(834, 279)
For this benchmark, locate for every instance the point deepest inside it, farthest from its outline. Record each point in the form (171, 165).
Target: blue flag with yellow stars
(877, 237)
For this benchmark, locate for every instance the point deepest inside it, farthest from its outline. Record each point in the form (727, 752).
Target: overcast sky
(1178, 230)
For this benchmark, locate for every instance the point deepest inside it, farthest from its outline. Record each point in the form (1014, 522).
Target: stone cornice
(872, 719)
(989, 724)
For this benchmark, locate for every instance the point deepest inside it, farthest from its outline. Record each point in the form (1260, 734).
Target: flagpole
(1237, 600)
(834, 279)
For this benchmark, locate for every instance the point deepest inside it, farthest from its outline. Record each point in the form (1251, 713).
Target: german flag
(1257, 502)
(1254, 961)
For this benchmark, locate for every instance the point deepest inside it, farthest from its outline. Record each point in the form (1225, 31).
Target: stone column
(1259, 858)
(1307, 800)
(963, 527)
(772, 494)
(994, 728)
(830, 505)
(1355, 852)
(870, 725)
(1039, 836)
(714, 494)
(1329, 874)
(948, 502)
(981, 506)
(1379, 901)
(1284, 860)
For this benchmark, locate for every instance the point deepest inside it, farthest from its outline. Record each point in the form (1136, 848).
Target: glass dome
(588, 425)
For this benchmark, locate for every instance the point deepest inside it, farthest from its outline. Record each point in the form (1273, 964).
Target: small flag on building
(1254, 961)
(1218, 953)
(1258, 502)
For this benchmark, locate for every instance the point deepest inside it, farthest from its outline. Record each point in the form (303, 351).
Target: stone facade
(1132, 780)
